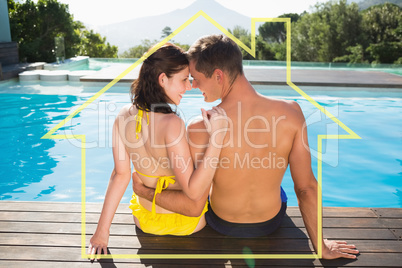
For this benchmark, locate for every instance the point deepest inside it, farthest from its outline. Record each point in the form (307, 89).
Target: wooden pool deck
(48, 234)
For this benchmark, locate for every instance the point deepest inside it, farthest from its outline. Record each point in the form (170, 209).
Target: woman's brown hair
(146, 92)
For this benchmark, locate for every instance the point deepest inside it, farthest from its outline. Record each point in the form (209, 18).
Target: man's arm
(173, 200)
(176, 200)
(306, 190)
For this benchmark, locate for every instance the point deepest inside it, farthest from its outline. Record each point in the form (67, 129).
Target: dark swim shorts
(247, 229)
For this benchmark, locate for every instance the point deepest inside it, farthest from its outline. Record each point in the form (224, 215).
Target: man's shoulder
(196, 123)
(292, 111)
(280, 108)
(289, 105)
(281, 105)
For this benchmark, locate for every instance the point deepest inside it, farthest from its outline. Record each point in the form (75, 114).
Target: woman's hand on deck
(216, 123)
(338, 249)
(98, 243)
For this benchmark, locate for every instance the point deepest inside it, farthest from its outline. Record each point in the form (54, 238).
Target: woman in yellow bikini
(149, 134)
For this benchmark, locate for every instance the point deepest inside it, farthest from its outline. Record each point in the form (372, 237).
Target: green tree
(273, 34)
(385, 52)
(264, 51)
(279, 50)
(327, 33)
(364, 4)
(166, 32)
(276, 31)
(94, 45)
(308, 37)
(382, 25)
(185, 47)
(138, 51)
(239, 31)
(356, 55)
(34, 27)
(244, 36)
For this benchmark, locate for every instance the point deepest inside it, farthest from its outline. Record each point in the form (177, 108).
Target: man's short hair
(216, 52)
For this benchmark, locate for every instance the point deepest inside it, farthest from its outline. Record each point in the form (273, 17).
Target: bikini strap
(138, 119)
(149, 176)
(162, 184)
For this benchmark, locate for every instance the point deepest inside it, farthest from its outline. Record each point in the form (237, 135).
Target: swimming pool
(97, 64)
(356, 173)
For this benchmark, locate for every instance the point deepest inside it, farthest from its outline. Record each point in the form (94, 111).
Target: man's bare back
(246, 186)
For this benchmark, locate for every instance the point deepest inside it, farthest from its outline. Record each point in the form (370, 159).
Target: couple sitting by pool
(226, 169)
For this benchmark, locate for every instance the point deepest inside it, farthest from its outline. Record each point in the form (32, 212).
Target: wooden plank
(123, 208)
(348, 212)
(362, 223)
(8, 53)
(57, 228)
(54, 236)
(397, 233)
(9, 58)
(8, 44)
(128, 219)
(377, 246)
(55, 207)
(391, 223)
(199, 244)
(66, 240)
(62, 240)
(45, 264)
(60, 217)
(363, 260)
(337, 212)
(388, 212)
(363, 234)
(73, 254)
(120, 229)
(367, 260)
(347, 222)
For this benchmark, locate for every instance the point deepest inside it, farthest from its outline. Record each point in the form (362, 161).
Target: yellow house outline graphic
(350, 135)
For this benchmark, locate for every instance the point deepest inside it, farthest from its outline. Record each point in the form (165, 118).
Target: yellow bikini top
(162, 184)
(138, 119)
(163, 181)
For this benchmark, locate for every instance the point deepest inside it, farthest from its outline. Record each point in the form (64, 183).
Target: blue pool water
(356, 173)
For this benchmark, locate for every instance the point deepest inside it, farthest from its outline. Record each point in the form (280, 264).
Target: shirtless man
(264, 137)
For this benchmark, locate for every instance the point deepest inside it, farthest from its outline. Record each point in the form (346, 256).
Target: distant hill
(130, 33)
(364, 4)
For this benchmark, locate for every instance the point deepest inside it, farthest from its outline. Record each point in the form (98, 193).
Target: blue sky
(103, 12)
